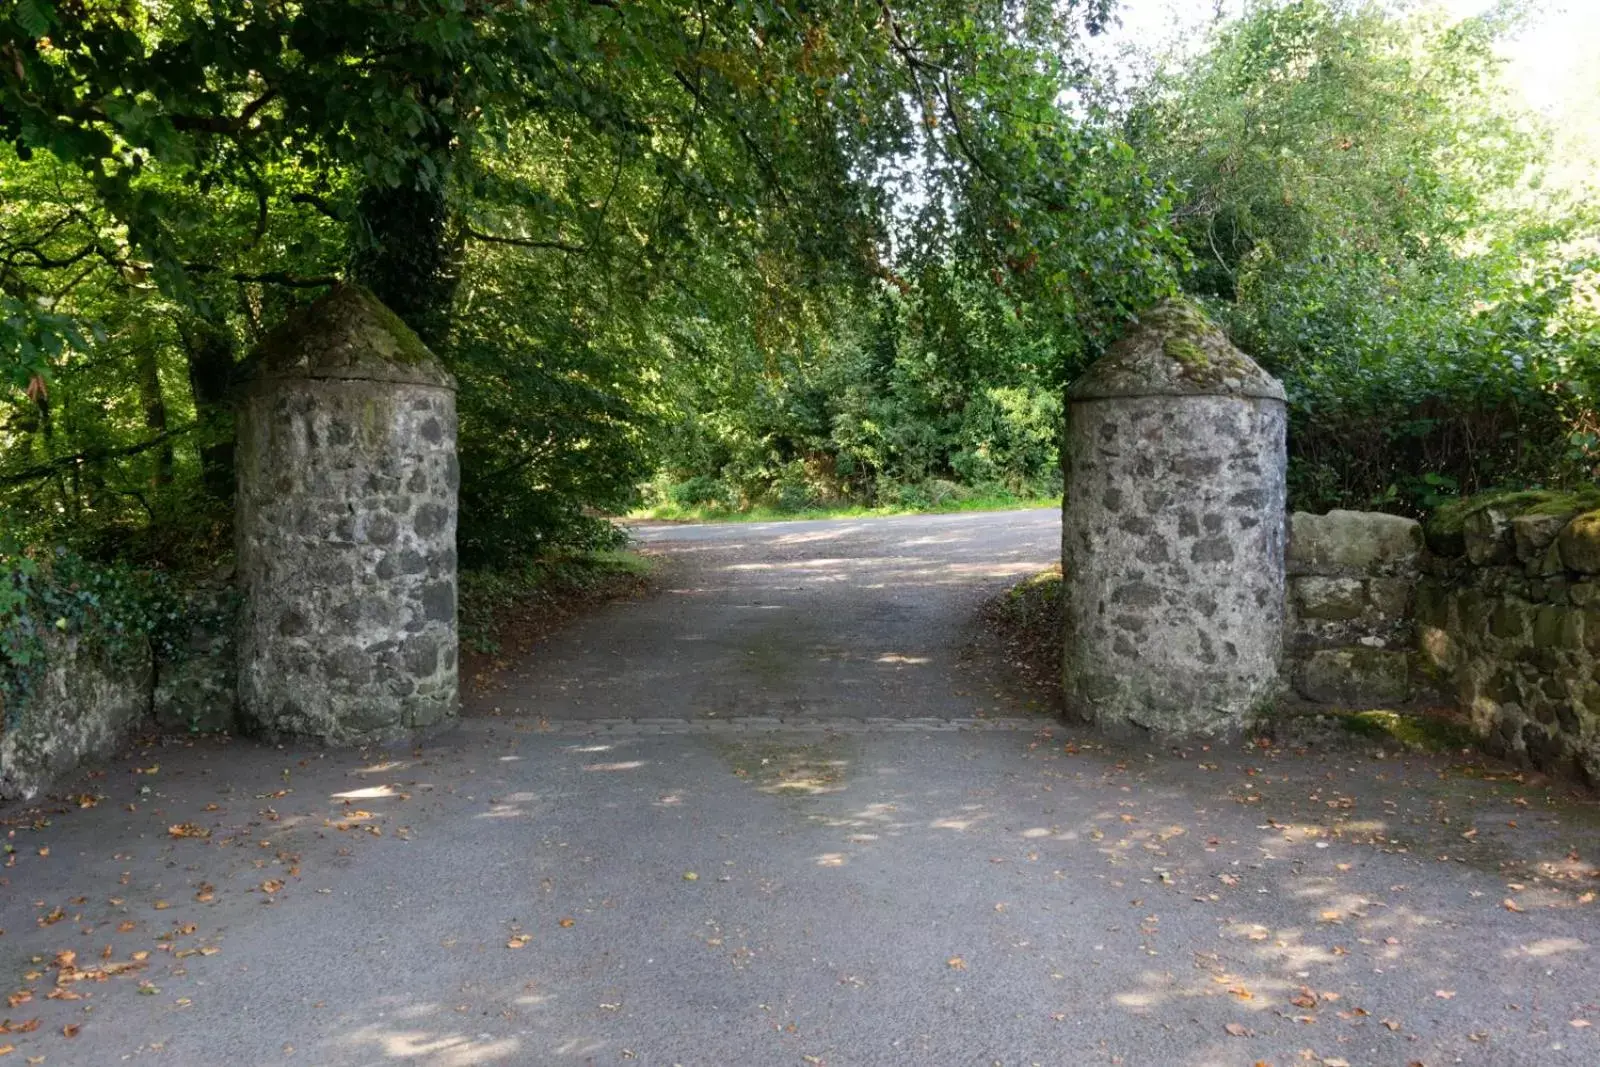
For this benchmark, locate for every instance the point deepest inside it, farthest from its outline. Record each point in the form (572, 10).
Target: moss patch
(326, 328)
(1452, 516)
(1446, 525)
(1432, 733)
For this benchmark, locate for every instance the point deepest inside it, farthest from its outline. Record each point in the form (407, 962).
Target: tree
(616, 172)
(1363, 209)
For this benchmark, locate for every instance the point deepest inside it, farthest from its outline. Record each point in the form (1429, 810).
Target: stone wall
(1352, 581)
(87, 702)
(1508, 618)
(83, 705)
(196, 685)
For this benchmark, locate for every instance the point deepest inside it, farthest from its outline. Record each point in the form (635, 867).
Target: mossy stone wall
(1508, 619)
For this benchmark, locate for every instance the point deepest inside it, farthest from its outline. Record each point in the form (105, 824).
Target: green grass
(762, 513)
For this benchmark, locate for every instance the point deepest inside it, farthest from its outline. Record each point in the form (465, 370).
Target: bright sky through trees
(1555, 61)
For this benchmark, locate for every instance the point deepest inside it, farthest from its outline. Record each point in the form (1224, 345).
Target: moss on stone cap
(1446, 526)
(1174, 350)
(348, 334)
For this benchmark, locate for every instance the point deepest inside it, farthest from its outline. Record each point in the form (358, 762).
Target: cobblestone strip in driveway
(753, 724)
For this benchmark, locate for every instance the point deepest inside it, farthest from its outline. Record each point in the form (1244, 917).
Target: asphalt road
(787, 812)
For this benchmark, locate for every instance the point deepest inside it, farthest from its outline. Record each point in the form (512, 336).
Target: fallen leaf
(518, 940)
(568, 922)
(1511, 905)
(188, 829)
(70, 1030)
(1444, 994)
(1239, 1030)
(956, 963)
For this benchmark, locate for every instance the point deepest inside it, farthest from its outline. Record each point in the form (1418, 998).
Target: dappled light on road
(804, 824)
(434, 1048)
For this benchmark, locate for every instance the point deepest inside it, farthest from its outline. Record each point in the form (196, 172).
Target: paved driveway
(909, 870)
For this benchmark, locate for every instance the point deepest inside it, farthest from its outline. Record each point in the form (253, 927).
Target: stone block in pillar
(346, 528)
(1173, 531)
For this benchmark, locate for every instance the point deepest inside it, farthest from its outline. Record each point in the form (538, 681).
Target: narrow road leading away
(801, 620)
(785, 812)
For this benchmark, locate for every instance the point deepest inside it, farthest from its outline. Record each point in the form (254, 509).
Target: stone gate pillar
(346, 528)
(1172, 538)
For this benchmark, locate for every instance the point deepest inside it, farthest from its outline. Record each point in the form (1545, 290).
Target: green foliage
(940, 382)
(111, 609)
(612, 221)
(1364, 213)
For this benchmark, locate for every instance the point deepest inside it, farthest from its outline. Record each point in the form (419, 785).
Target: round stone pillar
(1172, 538)
(346, 528)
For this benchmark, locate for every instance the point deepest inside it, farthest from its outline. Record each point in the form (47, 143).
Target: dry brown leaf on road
(1239, 1030)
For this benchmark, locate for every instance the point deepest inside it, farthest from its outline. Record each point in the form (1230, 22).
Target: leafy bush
(700, 490)
(1364, 212)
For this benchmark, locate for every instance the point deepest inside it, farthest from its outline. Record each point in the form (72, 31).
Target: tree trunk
(404, 257)
(209, 347)
(155, 411)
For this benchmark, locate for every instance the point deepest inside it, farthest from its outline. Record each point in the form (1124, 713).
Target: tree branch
(524, 242)
(91, 455)
(224, 124)
(317, 202)
(293, 281)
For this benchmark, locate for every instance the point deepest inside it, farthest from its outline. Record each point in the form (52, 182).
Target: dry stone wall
(1352, 581)
(84, 705)
(1508, 619)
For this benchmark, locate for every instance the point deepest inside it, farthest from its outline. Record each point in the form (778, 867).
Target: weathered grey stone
(1509, 620)
(1354, 677)
(1174, 615)
(1358, 541)
(346, 528)
(83, 705)
(1533, 534)
(1391, 597)
(1487, 534)
(1331, 599)
(1580, 543)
